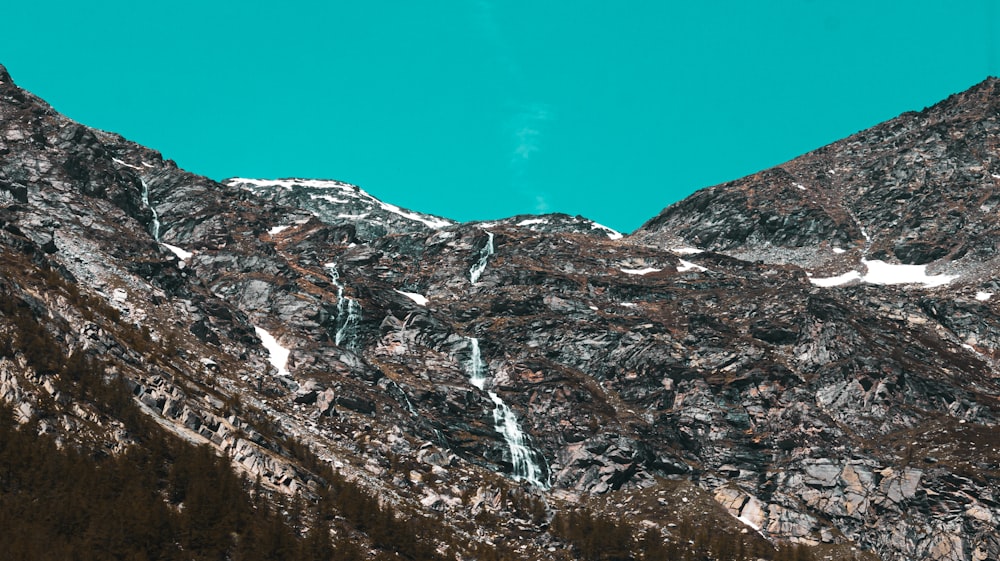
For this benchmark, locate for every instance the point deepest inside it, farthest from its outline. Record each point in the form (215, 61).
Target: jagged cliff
(748, 360)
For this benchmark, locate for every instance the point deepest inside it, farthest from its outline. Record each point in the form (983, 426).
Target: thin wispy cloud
(527, 120)
(527, 131)
(541, 205)
(527, 125)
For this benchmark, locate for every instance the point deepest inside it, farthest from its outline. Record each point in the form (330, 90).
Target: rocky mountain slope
(919, 189)
(748, 361)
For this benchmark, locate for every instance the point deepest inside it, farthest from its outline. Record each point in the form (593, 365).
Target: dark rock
(204, 333)
(361, 405)
(18, 193)
(776, 334)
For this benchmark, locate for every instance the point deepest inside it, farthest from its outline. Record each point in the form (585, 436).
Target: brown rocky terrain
(497, 377)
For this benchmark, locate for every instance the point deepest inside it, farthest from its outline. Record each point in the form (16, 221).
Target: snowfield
(278, 354)
(418, 298)
(645, 271)
(181, 254)
(880, 272)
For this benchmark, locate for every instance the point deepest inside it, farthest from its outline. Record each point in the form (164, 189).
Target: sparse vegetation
(594, 537)
(165, 499)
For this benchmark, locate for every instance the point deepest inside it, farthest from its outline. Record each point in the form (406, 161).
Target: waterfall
(348, 317)
(348, 313)
(522, 457)
(477, 368)
(145, 203)
(484, 254)
(527, 464)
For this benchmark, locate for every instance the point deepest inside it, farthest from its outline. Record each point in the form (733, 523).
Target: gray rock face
(860, 415)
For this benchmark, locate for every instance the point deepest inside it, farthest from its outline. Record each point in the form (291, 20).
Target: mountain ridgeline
(800, 364)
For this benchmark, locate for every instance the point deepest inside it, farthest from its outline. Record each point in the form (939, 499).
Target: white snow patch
(436, 223)
(629, 304)
(593, 308)
(530, 221)
(329, 199)
(837, 280)
(611, 232)
(983, 296)
(839, 250)
(749, 523)
(289, 183)
(117, 161)
(995, 175)
(689, 266)
(418, 298)
(645, 271)
(687, 250)
(277, 230)
(880, 272)
(119, 295)
(799, 186)
(181, 254)
(279, 354)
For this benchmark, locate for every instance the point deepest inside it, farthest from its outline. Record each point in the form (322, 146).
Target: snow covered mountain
(533, 387)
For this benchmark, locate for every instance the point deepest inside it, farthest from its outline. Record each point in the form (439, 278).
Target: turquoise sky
(477, 109)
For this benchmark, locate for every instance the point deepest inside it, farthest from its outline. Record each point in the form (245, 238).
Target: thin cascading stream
(477, 368)
(406, 400)
(484, 254)
(348, 313)
(155, 226)
(348, 318)
(527, 464)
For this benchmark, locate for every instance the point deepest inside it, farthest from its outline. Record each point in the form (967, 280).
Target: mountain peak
(977, 99)
(921, 189)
